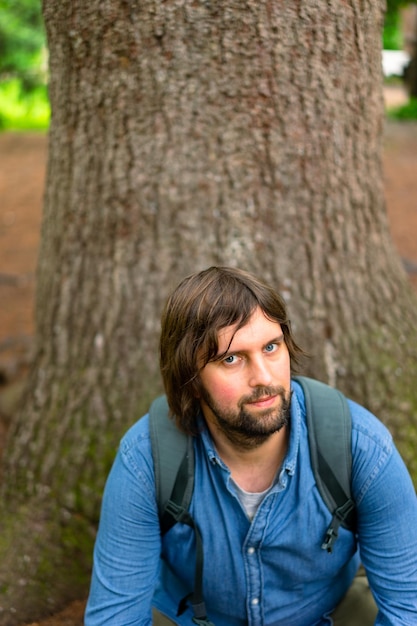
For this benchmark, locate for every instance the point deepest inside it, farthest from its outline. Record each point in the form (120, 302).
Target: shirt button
(251, 550)
(255, 601)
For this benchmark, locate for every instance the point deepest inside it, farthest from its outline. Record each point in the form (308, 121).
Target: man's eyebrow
(275, 340)
(219, 356)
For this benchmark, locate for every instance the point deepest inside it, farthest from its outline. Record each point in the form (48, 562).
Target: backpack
(329, 432)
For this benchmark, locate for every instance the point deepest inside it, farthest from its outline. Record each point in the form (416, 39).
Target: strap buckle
(338, 518)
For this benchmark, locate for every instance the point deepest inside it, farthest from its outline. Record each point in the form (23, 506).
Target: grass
(23, 111)
(405, 112)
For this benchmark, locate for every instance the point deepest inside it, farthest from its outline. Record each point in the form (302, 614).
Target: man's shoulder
(366, 426)
(364, 423)
(137, 441)
(372, 449)
(137, 437)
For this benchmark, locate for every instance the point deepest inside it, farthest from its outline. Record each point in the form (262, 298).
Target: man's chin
(263, 422)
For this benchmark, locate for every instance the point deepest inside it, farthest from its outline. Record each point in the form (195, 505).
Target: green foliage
(22, 42)
(392, 35)
(23, 110)
(23, 66)
(393, 6)
(405, 112)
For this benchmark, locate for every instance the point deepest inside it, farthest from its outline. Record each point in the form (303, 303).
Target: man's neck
(253, 469)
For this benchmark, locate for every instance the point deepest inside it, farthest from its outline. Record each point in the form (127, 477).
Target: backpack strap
(173, 458)
(329, 426)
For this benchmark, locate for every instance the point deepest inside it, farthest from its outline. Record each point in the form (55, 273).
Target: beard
(245, 429)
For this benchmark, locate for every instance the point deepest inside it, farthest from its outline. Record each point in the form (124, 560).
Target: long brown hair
(199, 307)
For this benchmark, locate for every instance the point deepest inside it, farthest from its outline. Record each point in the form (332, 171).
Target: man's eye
(271, 347)
(229, 360)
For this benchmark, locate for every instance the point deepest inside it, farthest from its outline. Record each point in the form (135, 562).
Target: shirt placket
(253, 563)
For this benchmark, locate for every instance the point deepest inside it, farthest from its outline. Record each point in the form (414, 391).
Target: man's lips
(264, 402)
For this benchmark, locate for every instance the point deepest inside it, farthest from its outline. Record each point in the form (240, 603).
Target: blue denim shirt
(268, 572)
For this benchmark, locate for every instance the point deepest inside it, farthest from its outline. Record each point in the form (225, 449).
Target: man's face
(246, 394)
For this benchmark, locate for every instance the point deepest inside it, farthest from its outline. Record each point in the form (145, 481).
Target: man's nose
(260, 373)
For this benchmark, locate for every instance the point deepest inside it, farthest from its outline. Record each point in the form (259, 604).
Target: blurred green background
(23, 66)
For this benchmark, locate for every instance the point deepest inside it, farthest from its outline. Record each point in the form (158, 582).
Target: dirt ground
(22, 175)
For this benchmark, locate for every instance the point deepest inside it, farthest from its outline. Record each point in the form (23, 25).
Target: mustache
(262, 392)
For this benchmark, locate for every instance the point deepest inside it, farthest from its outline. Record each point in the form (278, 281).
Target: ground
(22, 175)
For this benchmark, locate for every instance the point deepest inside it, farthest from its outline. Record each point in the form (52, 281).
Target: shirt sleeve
(387, 527)
(127, 548)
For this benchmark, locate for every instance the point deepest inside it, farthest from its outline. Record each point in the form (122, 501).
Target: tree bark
(186, 134)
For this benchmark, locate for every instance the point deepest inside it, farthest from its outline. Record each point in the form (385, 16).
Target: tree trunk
(186, 134)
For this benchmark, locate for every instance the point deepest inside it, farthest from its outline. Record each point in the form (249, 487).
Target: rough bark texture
(185, 134)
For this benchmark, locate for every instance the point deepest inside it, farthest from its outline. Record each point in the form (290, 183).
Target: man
(227, 352)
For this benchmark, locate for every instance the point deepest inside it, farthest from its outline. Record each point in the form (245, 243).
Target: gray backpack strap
(330, 439)
(173, 458)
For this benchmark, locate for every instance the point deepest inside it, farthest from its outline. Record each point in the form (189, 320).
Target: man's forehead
(258, 327)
